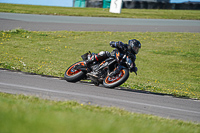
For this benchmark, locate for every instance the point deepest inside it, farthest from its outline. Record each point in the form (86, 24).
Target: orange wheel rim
(110, 80)
(72, 71)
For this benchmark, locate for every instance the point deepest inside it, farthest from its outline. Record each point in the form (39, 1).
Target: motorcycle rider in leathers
(131, 49)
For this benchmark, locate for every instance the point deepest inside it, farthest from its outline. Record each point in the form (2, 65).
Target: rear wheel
(74, 75)
(120, 78)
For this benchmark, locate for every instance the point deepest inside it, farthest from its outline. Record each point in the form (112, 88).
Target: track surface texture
(131, 100)
(34, 22)
(57, 89)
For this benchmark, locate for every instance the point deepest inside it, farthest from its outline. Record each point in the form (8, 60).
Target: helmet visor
(136, 49)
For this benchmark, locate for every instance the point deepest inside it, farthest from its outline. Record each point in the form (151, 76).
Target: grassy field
(168, 62)
(22, 114)
(100, 12)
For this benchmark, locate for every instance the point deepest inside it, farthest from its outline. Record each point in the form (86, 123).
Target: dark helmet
(134, 46)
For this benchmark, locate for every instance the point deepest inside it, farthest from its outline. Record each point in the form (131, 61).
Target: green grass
(100, 12)
(167, 63)
(23, 114)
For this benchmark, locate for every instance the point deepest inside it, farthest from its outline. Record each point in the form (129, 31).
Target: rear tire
(72, 75)
(119, 79)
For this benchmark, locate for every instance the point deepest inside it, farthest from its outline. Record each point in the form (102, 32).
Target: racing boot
(115, 72)
(89, 62)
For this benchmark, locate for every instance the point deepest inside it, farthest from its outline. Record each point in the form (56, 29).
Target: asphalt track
(57, 89)
(33, 22)
(86, 93)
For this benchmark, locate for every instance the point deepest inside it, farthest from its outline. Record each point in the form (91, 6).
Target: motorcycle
(100, 72)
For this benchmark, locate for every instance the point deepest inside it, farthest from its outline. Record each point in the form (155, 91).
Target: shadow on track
(134, 90)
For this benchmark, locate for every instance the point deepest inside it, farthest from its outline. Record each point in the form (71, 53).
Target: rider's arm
(131, 63)
(119, 45)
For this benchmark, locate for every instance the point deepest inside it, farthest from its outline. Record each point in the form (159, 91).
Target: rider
(131, 49)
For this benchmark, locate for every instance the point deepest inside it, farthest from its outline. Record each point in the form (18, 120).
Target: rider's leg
(98, 57)
(116, 71)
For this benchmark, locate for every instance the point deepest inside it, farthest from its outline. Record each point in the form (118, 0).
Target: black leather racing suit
(122, 49)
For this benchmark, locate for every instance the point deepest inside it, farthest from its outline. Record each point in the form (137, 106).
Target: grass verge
(168, 62)
(22, 114)
(100, 12)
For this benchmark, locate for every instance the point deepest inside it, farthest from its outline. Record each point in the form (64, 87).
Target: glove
(134, 69)
(112, 43)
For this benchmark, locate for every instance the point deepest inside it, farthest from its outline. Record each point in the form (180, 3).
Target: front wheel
(120, 78)
(74, 75)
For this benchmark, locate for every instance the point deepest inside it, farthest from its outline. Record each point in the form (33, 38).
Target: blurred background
(138, 4)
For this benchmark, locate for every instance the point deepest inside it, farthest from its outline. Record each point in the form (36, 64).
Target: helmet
(134, 46)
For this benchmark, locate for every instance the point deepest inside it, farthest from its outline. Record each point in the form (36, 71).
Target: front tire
(119, 79)
(74, 75)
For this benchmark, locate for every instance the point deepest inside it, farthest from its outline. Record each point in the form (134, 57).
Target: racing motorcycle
(100, 72)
